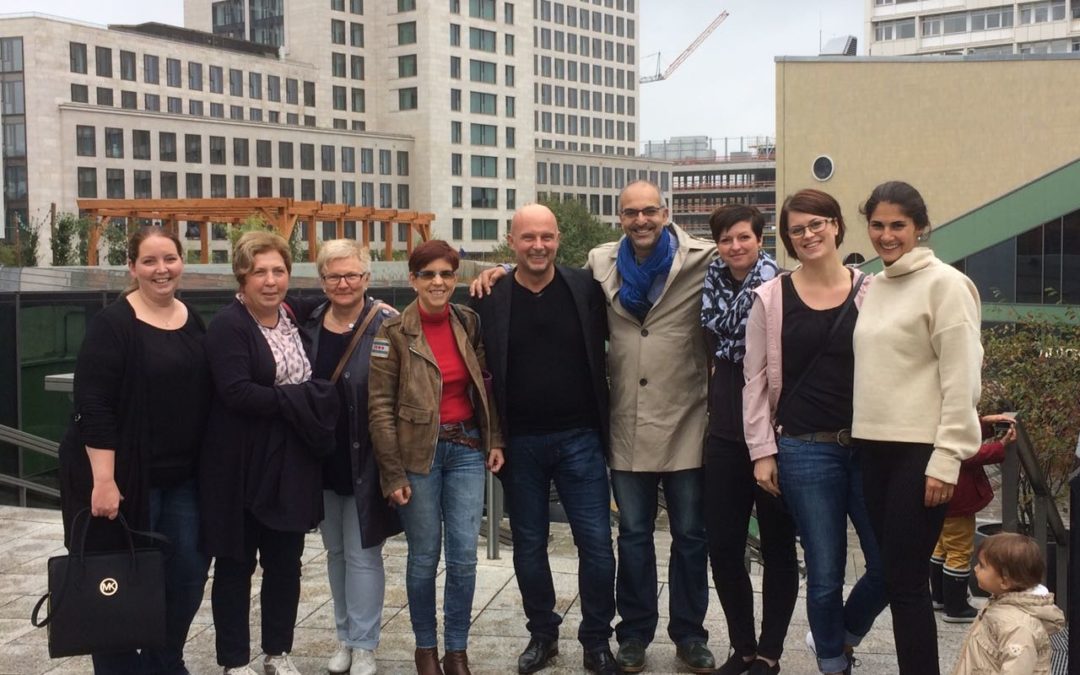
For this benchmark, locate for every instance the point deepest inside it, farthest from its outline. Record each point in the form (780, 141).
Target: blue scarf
(638, 279)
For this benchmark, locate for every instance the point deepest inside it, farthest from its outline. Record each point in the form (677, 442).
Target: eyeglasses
(648, 212)
(814, 226)
(428, 275)
(352, 278)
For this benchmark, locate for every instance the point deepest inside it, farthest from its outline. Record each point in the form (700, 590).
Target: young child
(1011, 635)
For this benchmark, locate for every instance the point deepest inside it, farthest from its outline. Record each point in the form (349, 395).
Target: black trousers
(730, 494)
(279, 555)
(894, 485)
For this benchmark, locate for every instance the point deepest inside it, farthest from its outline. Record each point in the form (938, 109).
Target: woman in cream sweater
(917, 378)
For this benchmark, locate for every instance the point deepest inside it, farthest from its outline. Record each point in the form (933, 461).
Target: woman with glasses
(432, 428)
(918, 358)
(260, 472)
(357, 518)
(799, 375)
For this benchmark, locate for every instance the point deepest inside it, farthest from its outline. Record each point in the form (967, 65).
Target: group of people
(813, 396)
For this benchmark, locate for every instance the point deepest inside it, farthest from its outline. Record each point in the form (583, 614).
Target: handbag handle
(358, 335)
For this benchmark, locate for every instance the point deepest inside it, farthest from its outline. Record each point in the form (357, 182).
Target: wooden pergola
(281, 213)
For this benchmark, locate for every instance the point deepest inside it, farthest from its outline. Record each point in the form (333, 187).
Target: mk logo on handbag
(108, 586)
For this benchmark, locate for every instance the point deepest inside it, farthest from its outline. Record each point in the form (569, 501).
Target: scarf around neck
(726, 303)
(637, 279)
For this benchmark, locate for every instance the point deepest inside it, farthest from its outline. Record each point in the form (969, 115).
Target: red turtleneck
(455, 405)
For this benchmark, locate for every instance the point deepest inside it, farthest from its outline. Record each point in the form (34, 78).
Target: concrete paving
(28, 537)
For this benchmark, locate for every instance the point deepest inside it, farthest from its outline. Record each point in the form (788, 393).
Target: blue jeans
(574, 459)
(357, 579)
(451, 494)
(635, 590)
(174, 513)
(822, 486)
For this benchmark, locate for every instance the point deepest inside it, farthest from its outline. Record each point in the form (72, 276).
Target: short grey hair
(336, 249)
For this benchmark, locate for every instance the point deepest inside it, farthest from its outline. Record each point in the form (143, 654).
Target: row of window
(357, 6)
(483, 197)
(993, 18)
(612, 77)
(483, 229)
(568, 97)
(573, 125)
(595, 48)
(212, 77)
(11, 55)
(129, 100)
(595, 149)
(580, 175)
(482, 166)
(483, 134)
(86, 141)
(559, 13)
(483, 103)
(142, 183)
(355, 33)
(483, 9)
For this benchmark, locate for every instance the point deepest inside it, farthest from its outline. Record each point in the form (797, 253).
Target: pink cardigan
(763, 367)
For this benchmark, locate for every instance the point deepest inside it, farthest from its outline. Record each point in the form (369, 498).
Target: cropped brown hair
(1016, 558)
(430, 251)
(815, 203)
(254, 243)
(727, 216)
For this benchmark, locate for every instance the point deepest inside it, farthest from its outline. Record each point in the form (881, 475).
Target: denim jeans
(574, 459)
(822, 486)
(688, 582)
(451, 494)
(174, 512)
(357, 579)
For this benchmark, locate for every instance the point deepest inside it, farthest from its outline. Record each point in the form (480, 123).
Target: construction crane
(686, 53)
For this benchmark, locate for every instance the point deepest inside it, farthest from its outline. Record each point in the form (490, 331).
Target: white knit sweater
(918, 358)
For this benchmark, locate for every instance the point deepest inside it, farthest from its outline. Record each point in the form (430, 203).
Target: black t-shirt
(337, 468)
(725, 400)
(178, 385)
(549, 388)
(823, 400)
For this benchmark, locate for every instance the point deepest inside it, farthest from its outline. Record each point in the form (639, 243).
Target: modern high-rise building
(467, 109)
(902, 27)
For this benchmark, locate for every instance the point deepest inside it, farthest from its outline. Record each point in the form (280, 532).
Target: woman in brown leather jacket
(432, 429)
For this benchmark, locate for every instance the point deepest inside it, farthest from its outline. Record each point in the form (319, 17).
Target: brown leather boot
(456, 663)
(427, 661)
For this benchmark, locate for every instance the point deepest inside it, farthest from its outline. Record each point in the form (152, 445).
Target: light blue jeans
(451, 494)
(357, 580)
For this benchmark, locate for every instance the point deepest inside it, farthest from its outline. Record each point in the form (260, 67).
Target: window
(356, 6)
(455, 35)
(508, 76)
(407, 99)
(151, 69)
(455, 99)
(455, 132)
(406, 65)
(511, 168)
(193, 185)
(85, 145)
(339, 95)
(167, 181)
(217, 80)
(356, 34)
(337, 64)
(508, 12)
(483, 166)
(195, 108)
(217, 149)
(386, 196)
(511, 198)
(194, 75)
(406, 5)
(140, 144)
(356, 67)
(77, 56)
(456, 199)
(193, 148)
(217, 186)
(348, 159)
(103, 63)
(384, 162)
(482, 71)
(406, 33)
(240, 152)
(273, 88)
(510, 106)
(486, 229)
(402, 163)
(255, 85)
(285, 155)
(337, 31)
(358, 102)
(291, 95)
(367, 160)
(367, 194)
(455, 164)
(484, 40)
(309, 94)
(457, 227)
(482, 103)
(455, 67)
(508, 44)
(236, 82)
(166, 146)
(403, 196)
(236, 112)
(326, 155)
(104, 96)
(114, 183)
(892, 30)
(485, 198)
(172, 72)
(80, 93)
(337, 5)
(87, 178)
(482, 9)
(114, 142)
(142, 184)
(482, 134)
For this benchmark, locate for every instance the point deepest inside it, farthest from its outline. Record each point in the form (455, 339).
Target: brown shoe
(427, 661)
(456, 663)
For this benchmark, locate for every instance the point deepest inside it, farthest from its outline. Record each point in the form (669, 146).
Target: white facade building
(902, 27)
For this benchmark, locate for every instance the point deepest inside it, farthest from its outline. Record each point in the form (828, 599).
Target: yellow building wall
(962, 132)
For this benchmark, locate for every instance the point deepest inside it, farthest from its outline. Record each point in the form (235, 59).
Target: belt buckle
(843, 438)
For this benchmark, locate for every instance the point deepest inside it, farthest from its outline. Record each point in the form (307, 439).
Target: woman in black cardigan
(261, 465)
(142, 391)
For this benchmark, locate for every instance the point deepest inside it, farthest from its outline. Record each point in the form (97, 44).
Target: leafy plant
(115, 235)
(256, 222)
(70, 240)
(579, 232)
(21, 249)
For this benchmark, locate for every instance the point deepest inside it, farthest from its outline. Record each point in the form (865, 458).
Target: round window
(822, 168)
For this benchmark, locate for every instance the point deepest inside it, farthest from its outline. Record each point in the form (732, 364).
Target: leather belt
(841, 438)
(460, 433)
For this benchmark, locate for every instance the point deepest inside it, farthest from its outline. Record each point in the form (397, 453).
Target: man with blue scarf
(652, 278)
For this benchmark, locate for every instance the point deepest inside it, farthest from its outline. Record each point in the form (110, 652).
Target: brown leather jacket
(404, 389)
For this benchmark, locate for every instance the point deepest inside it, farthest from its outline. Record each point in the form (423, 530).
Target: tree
(256, 222)
(115, 235)
(70, 239)
(21, 249)
(579, 232)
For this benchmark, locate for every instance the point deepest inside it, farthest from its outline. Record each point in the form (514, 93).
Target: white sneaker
(240, 670)
(363, 662)
(279, 665)
(341, 660)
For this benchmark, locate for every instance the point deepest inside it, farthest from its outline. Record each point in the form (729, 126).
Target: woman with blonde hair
(261, 464)
(341, 331)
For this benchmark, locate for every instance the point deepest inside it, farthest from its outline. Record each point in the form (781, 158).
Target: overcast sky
(726, 88)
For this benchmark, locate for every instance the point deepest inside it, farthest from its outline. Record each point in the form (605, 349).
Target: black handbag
(108, 601)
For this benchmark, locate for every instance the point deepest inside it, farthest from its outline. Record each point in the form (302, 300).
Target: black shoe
(537, 655)
(762, 667)
(735, 665)
(955, 590)
(937, 569)
(601, 661)
(631, 656)
(696, 656)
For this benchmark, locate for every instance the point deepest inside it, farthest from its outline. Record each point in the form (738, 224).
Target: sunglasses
(428, 275)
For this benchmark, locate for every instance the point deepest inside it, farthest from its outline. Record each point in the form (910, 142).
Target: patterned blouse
(293, 366)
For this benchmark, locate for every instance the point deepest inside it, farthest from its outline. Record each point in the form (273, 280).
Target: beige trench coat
(658, 368)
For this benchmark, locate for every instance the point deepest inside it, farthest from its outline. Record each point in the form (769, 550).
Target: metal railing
(1046, 520)
(21, 439)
